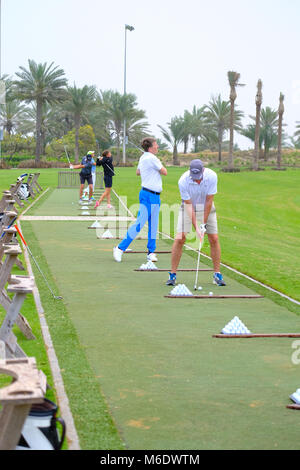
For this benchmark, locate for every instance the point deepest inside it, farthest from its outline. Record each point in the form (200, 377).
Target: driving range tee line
(261, 335)
(222, 296)
(146, 252)
(293, 407)
(168, 270)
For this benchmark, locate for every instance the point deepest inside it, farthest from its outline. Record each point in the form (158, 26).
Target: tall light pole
(129, 28)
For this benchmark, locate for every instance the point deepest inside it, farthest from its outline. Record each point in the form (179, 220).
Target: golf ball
(199, 288)
(211, 293)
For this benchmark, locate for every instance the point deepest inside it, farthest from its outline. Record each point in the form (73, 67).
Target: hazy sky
(178, 55)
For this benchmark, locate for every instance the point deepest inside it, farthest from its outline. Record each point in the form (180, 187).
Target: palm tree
(258, 102)
(269, 125)
(12, 116)
(217, 115)
(297, 132)
(233, 78)
(174, 135)
(120, 108)
(198, 125)
(188, 121)
(40, 84)
(79, 102)
(280, 114)
(268, 136)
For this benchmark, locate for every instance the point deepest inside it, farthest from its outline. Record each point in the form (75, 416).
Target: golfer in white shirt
(150, 169)
(197, 187)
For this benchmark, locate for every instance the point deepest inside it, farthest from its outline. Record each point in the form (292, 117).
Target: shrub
(42, 164)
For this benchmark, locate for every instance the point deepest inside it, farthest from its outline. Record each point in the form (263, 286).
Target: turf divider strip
(168, 270)
(214, 296)
(262, 335)
(293, 407)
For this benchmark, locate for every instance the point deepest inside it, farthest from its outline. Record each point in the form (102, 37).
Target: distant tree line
(41, 105)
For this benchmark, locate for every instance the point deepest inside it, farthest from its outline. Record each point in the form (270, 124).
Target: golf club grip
(19, 232)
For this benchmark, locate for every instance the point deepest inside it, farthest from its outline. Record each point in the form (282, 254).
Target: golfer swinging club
(197, 189)
(150, 169)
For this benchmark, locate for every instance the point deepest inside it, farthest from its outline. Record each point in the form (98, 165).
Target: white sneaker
(152, 257)
(117, 253)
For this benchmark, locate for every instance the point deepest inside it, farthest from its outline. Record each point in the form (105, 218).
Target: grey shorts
(184, 224)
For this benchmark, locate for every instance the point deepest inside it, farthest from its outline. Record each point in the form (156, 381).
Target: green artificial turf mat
(66, 202)
(167, 382)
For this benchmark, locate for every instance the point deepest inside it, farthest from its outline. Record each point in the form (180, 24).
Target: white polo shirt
(197, 193)
(150, 166)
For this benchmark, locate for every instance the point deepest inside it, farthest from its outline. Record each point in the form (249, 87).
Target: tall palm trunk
(77, 127)
(232, 100)
(220, 141)
(39, 110)
(118, 156)
(175, 155)
(257, 124)
(185, 145)
(280, 118)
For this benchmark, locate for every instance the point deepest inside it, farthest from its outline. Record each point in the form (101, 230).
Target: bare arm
(207, 208)
(163, 171)
(76, 167)
(138, 172)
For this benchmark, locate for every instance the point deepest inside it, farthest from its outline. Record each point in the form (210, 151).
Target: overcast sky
(178, 55)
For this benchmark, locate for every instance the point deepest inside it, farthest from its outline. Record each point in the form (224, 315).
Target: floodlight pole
(130, 28)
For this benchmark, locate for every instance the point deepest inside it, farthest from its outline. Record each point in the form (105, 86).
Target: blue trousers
(148, 212)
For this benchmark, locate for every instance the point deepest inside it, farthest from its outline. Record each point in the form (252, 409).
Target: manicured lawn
(124, 351)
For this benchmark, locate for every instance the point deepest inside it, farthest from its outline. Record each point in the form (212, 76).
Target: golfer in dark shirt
(106, 161)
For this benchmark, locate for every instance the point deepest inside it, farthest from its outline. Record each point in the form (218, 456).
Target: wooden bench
(28, 388)
(6, 196)
(20, 286)
(11, 252)
(34, 182)
(9, 237)
(14, 188)
(7, 220)
(30, 186)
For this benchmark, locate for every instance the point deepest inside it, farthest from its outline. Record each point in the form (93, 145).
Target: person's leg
(215, 251)
(184, 225)
(81, 191)
(90, 190)
(177, 251)
(153, 220)
(138, 225)
(103, 196)
(108, 195)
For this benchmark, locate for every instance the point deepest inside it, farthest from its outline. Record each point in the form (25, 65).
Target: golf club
(198, 263)
(135, 146)
(66, 152)
(56, 297)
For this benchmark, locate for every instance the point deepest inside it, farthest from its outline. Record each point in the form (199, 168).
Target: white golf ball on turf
(199, 288)
(211, 293)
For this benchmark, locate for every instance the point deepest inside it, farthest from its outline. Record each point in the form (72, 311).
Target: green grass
(258, 219)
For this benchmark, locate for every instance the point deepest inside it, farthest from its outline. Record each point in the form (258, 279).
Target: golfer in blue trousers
(150, 169)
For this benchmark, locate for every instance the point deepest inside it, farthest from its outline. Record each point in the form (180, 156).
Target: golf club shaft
(198, 263)
(67, 155)
(135, 146)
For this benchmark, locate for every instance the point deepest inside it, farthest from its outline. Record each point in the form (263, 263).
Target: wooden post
(27, 388)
